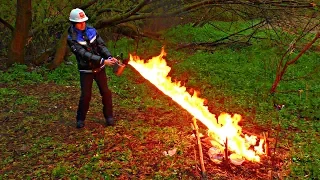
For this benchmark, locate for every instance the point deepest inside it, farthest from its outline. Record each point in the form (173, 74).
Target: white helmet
(78, 15)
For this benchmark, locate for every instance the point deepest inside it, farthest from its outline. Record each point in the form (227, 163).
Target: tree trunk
(20, 34)
(61, 50)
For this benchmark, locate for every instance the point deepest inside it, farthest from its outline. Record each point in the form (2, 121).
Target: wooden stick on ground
(194, 149)
(226, 155)
(196, 132)
(266, 143)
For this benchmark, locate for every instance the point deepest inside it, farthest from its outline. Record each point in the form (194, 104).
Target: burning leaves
(224, 130)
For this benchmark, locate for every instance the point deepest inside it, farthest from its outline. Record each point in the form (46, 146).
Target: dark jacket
(89, 49)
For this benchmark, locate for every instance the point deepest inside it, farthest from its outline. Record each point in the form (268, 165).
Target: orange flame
(156, 71)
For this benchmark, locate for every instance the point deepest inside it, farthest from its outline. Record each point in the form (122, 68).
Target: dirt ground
(22, 126)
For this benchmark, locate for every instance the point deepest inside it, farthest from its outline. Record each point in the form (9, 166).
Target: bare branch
(279, 5)
(132, 14)
(280, 72)
(303, 50)
(222, 39)
(85, 6)
(6, 24)
(103, 22)
(293, 44)
(109, 10)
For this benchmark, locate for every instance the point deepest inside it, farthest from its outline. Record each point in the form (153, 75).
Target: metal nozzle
(118, 68)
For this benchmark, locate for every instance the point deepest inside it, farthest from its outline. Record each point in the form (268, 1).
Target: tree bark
(20, 34)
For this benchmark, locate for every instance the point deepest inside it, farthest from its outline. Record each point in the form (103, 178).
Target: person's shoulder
(91, 28)
(69, 29)
(70, 32)
(91, 31)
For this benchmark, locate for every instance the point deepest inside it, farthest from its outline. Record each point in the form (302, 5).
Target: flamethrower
(118, 67)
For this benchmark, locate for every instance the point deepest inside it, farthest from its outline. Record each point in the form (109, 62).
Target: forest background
(245, 57)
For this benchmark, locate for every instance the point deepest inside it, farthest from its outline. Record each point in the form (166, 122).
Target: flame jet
(225, 127)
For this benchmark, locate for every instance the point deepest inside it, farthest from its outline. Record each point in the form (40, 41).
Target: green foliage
(24, 75)
(59, 171)
(64, 74)
(7, 94)
(123, 45)
(30, 102)
(49, 21)
(56, 96)
(19, 73)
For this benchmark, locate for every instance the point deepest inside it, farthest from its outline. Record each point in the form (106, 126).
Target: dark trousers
(86, 80)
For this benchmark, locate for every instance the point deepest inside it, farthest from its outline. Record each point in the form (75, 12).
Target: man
(92, 57)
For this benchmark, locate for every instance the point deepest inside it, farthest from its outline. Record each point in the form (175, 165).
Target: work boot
(110, 121)
(80, 124)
